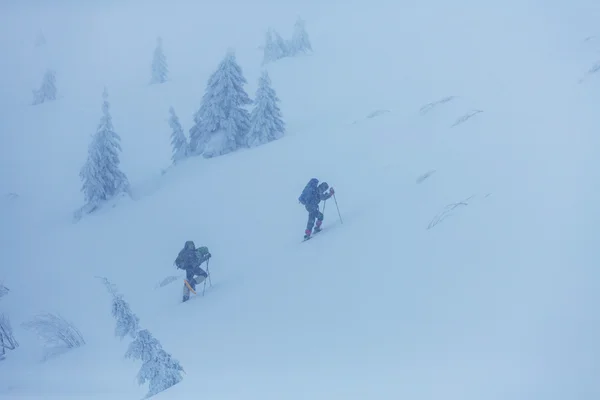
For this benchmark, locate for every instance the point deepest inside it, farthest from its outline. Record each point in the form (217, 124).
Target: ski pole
(208, 273)
(338, 208)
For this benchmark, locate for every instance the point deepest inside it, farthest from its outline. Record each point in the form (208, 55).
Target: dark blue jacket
(312, 195)
(191, 257)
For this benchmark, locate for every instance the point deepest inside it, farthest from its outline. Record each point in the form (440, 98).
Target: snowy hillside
(461, 139)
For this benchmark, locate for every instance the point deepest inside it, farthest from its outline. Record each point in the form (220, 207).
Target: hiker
(311, 197)
(189, 259)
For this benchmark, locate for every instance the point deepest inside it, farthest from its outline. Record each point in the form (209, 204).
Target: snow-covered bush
(56, 332)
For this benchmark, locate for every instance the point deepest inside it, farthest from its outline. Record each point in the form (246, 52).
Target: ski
(311, 236)
(189, 286)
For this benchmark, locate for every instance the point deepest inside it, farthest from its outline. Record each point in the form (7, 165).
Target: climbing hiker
(311, 196)
(189, 259)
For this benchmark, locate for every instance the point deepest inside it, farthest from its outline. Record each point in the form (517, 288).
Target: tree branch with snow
(159, 368)
(127, 322)
(7, 338)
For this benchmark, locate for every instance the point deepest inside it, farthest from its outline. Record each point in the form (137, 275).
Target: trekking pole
(338, 208)
(208, 273)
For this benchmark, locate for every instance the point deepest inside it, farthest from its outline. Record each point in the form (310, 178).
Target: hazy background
(497, 302)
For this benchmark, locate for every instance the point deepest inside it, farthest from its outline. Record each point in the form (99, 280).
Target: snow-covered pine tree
(268, 48)
(281, 47)
(160, 71)
(178, 140)
(275, 47)
(222, 122)
(159, 368)
(47, 92)
(300, 42)
(128, 324)
(266, 123)
(40, 40)
(102, 179)
(197, 139)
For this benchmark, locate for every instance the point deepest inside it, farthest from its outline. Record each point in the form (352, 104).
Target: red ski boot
(318, 226)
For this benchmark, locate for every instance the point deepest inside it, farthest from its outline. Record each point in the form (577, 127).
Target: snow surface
(496, 301)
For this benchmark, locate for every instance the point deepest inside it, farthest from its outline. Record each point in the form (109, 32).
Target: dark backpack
(308, 191)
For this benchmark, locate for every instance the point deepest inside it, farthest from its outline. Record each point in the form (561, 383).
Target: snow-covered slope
(466, 263)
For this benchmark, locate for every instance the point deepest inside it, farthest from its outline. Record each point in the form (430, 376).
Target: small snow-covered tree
(160, 71)
(101, 175)
(40, 40)
(159, 368)
(268, 55)
(179, 142)
(47, 92)
(266, 123)
(275, 47)
(127, 322)
(222, 122)
(281, 48)
(300, 42)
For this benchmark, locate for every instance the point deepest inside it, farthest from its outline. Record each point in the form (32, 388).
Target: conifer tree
(274, 48)
(178, 140)
(268, 55)
(300, 42)
(281, 47)
(266, 123)
(222, 122)
(159, 368)
(127, 322)
(160, 71)
(47, 91)
(40, 40)
(101, 175)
